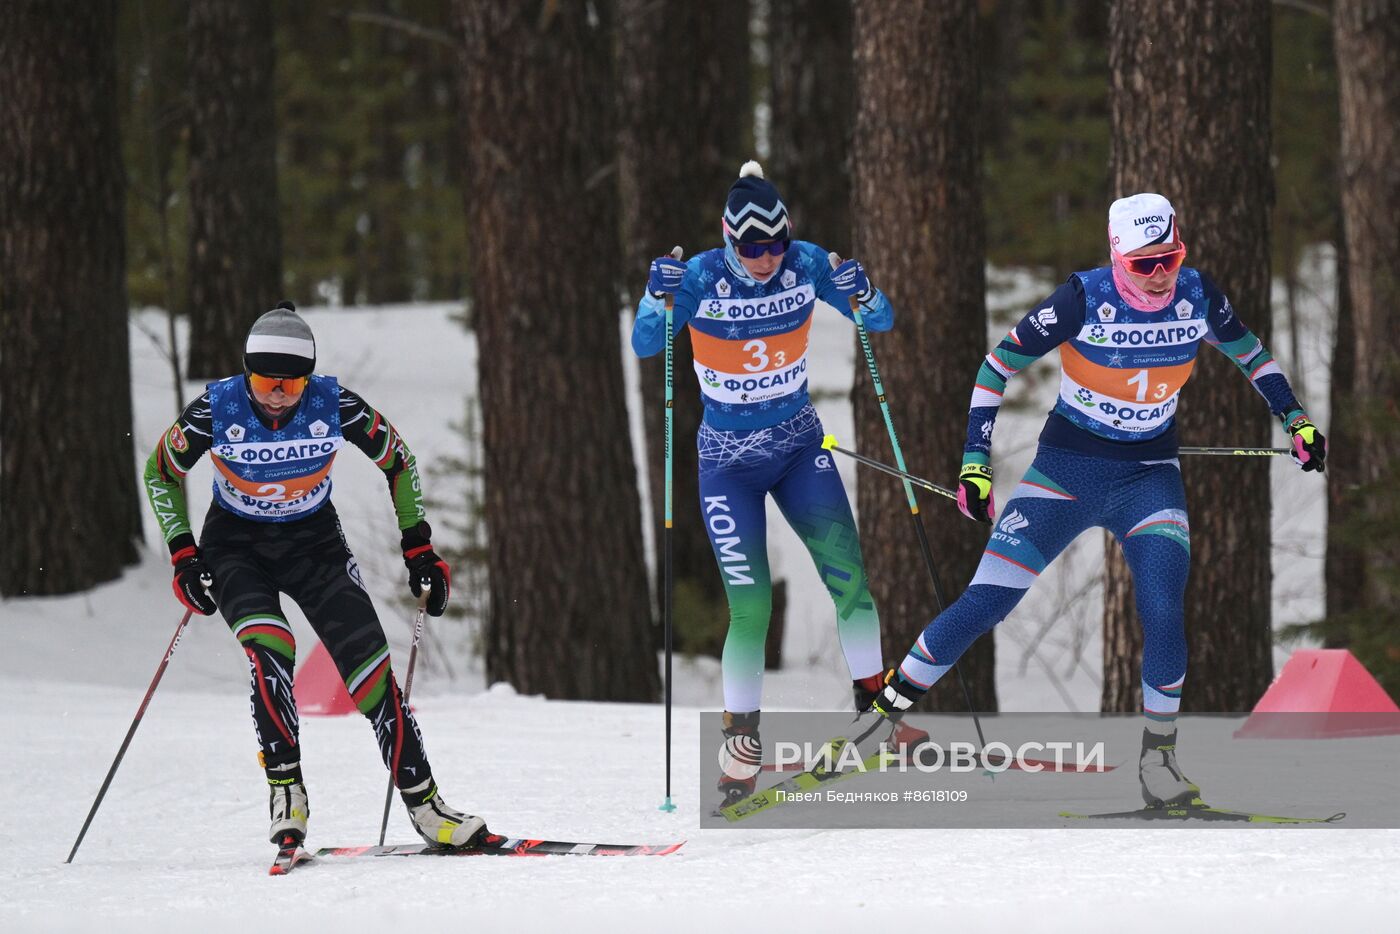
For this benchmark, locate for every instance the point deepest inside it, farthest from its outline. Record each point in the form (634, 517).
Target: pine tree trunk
(388, 275)
(1367, 36)
(1344, 566)
(71, 514)
(569, 614)
(235, 253)
(813, 113)
(683, 131)
(919, 231)
(1190, 116)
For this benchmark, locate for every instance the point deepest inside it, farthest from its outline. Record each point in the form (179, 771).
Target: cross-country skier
(1128, 334)
(273, 432)
(749, 305)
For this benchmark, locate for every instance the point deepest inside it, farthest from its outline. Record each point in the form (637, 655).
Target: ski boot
(437, 823)
(740, 758)
(1163, 783)
(287, 803)
(889, 695)
(865, 690)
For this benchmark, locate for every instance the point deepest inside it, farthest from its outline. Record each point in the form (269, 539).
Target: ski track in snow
(179, 843)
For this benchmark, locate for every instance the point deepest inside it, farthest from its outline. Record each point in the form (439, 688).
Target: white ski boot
(437, 823)
(287, 803)
(1163, 782)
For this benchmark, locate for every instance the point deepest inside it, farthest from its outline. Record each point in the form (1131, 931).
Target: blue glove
(850, 280)
(665, 276)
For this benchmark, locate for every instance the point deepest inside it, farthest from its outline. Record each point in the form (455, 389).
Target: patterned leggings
(308, 560)
(738, 469)
(1063, 493)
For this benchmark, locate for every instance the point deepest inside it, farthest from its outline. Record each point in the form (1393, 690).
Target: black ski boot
(741, 757)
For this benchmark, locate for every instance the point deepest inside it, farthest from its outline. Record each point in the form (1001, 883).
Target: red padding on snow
(318, 689)
(1322, 694)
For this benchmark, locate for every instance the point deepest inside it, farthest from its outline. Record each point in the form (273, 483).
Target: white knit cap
(1140, 220)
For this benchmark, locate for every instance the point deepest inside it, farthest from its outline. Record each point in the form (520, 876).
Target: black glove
(424, 564)
(192, 580)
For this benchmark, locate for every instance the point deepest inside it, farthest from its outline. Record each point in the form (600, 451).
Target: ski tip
(829, 442)
(668, 849)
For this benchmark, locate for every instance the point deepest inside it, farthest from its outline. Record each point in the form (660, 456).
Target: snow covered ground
(179, 842)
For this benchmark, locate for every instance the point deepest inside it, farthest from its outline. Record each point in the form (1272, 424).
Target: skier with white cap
(272, 433)
(1128, 335)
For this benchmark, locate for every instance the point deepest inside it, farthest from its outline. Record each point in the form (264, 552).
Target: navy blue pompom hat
(753, 210)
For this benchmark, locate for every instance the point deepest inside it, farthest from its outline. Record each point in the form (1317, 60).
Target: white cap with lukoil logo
(1140, 220)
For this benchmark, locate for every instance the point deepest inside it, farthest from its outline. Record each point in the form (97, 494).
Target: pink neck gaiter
(1137, 297)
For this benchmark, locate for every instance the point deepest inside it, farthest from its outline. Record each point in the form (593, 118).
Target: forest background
(210, 157)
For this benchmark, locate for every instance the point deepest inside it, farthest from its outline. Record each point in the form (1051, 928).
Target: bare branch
(1316, 9)
(417, 30)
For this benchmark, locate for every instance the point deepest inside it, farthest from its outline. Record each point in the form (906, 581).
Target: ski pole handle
(676, 253)
(834, 259)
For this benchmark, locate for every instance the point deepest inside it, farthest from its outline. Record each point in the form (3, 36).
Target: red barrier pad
(1322, 694)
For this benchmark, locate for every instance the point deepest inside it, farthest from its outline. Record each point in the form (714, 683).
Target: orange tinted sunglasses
(291, 385)
(1169, 261)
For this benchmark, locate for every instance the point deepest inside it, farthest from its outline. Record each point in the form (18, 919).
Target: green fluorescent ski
(809, 780)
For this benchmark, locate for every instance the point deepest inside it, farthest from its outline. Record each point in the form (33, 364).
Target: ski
(498, 845)
(290, 855)
(1204, 813)
(815, 777)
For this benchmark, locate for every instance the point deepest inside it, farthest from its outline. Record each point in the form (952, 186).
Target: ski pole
(207, 581)
(425, 586)
(667, 578)
(1238, 452)
(831, 444)
(869, 352)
